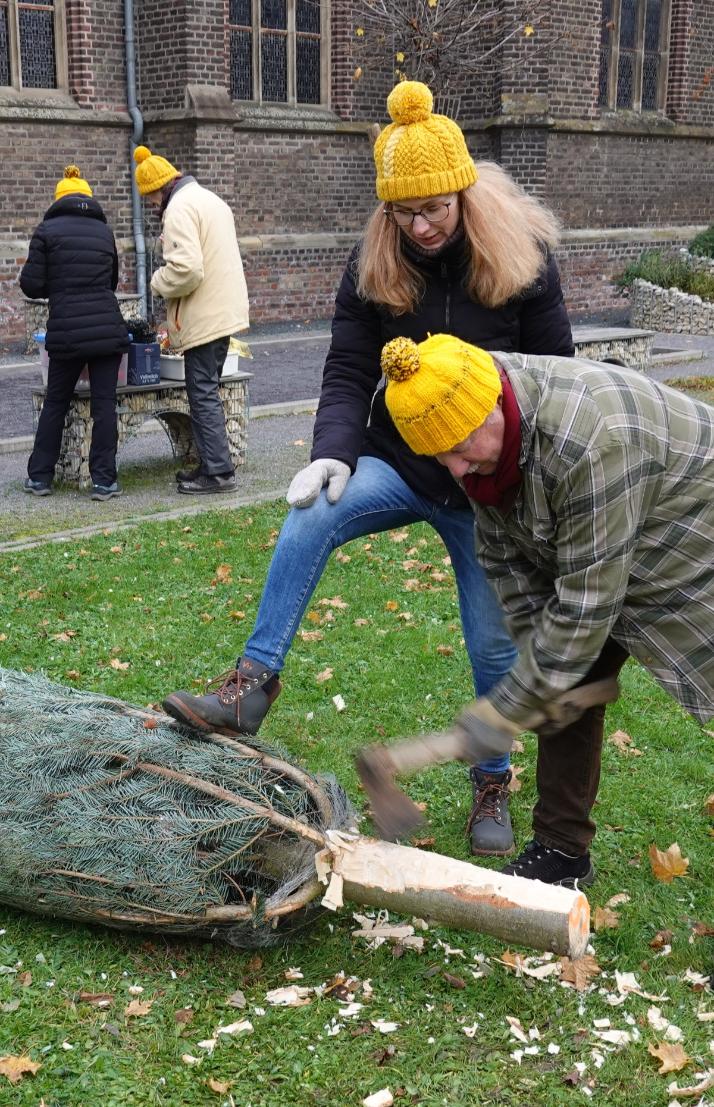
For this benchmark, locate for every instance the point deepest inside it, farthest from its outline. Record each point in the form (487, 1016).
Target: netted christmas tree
(115, 815)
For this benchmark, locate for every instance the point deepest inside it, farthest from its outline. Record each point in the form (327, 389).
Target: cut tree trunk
(458, 894)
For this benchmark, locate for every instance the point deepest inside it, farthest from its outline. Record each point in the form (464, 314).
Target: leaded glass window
(278, 50)
(634, 54)
(29, 34)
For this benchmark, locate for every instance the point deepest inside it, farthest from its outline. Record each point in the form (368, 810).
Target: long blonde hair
(506, 232)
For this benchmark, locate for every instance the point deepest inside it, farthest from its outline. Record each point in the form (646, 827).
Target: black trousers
(62, 377)
(568, 769)
(204, 365)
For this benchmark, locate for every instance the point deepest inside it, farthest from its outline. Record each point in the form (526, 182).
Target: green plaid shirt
(612, 532)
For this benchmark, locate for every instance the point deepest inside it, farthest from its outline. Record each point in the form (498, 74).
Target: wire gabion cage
(115, 815)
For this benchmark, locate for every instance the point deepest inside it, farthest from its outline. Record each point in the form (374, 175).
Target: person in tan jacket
(204, 287)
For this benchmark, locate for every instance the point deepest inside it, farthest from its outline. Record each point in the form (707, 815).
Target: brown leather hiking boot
(489, 824)
(240, 702)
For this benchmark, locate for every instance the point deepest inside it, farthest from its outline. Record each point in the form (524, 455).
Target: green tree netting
(111, 814)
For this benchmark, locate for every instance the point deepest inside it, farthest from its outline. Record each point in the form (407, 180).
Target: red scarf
(500, 488)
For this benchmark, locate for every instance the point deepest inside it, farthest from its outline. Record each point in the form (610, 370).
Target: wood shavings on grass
(627, 983)
(290, 996)
(382, 1098)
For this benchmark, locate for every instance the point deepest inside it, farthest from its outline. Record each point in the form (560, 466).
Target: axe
(395, 815)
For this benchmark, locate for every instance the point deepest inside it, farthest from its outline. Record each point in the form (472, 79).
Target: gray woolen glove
(306, 485)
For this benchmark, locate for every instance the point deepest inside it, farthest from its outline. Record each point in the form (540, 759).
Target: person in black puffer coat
(453, 247)
(73, 263)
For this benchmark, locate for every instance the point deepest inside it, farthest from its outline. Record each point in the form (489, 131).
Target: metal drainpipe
(136, 137)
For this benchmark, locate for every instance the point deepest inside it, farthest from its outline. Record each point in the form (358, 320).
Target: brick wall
(308, 177)
(95, 49)
(618, 180)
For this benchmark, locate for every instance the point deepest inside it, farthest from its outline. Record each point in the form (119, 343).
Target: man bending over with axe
(593, 493)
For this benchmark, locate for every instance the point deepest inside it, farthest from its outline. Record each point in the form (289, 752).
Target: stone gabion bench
(36, 312)
(669, 310)
(631, 346)
(166, 402)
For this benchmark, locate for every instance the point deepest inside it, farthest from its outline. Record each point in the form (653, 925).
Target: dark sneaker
(189, 474)
(37, 487)
(105, 491)
(552, 866)
(240, 702)
(204, 485)
(489, 825)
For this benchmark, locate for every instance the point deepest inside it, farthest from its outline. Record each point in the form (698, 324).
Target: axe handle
(415, 753)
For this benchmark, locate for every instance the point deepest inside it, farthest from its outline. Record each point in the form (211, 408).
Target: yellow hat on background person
(71, 182)
(420, 154)
(152, 171)
(438, 391)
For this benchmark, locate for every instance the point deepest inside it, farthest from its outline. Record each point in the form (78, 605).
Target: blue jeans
(376, 499)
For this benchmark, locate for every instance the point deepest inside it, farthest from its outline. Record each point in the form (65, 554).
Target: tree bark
(465, 896)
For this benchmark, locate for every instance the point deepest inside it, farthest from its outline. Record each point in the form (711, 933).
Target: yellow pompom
(410, 102)
(400, 359)
(141, 154)
(72, 171)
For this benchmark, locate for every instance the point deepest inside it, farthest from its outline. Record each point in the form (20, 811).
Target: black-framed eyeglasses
(434, 213)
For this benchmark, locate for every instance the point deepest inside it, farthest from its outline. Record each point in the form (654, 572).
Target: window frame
(613, 55)
(291, 57)
(15, 56)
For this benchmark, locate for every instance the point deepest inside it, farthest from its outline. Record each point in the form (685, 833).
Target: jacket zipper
(447, 321)
(447, 305)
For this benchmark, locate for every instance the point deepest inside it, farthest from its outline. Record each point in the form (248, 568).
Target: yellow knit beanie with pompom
(438, 391)
(420, 154)
(71, 183)
(152, 171)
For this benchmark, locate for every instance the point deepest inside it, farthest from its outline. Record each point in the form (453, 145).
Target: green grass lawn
(160, 600)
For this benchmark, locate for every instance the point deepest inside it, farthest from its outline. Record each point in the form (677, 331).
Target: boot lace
(228, 686)
(487, 801)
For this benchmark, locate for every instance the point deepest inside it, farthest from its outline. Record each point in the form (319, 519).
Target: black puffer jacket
(73, 263)
(352, 417)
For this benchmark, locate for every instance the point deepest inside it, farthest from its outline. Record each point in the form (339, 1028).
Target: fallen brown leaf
(709, 806)
(391, 605)
(661, 938)
(671, 1056)
(137, 1008)
(150, 724)
(224, 574)
(445, 651)
(24, 979)
(579, 972)
(115, 663)
(605, 919)
(514, 784)
(184, 1015)
(666, 864)
(454, 981)
(220, 1087)
(14, 1068)
(623, 742)
(702, 930)
(326, 674)
(311, 635)
(97, 999)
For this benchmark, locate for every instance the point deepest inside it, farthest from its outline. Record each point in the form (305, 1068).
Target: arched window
(32, 44)
(634, 54)
(278, 50)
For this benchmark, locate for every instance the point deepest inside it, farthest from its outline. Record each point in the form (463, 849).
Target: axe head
(394, 814)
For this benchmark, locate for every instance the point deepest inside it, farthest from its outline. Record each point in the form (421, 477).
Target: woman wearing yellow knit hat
(456, 246)
(72, 262)
(575, 471)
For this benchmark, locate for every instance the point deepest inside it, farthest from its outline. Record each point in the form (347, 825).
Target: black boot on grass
(552, 866)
